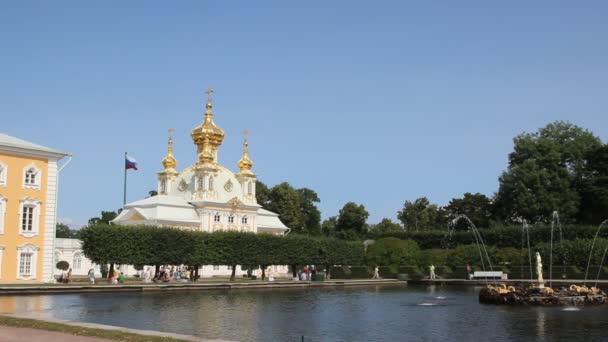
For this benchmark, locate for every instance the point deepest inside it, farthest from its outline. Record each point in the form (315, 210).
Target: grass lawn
(115, 335)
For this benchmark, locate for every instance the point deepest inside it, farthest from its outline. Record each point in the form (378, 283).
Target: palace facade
(28, 209)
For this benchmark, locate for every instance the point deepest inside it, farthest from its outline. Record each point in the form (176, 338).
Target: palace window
(30, 217)
(216, 268)
(231, 219)
(229, 268)
(216, 218)
(244, 220)
(26, 261)
(77, 262)
(2, 213)
(3, 173)
(31, 177)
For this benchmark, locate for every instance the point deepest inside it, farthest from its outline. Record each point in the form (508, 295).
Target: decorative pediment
(235, 201)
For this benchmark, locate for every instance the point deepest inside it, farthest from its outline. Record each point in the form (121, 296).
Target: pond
(375, 313)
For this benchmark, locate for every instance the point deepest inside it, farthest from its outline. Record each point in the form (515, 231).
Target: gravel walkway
(13, 334)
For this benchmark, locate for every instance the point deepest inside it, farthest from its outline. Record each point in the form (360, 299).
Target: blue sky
(372, 102)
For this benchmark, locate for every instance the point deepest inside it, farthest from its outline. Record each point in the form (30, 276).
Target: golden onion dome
(245, 163)
(208, 128)
(169, 161)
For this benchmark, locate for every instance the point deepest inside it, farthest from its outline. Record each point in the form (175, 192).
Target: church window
(77, 262)
(216, 218)
(244, 220)
(31, 177)
(249, 188)
(163, 186)
(211, 183)
(231, 219)
(201, 183)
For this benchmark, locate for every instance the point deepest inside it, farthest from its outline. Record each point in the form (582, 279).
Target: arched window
(27, 257)
(77, 262)
(201, 183)
(249, 188)
(31, 177)
(29, 217)
(211, 183)
(163, 186)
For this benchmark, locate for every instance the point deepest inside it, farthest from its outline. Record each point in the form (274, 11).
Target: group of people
(65, 278)
(116, 277)
(180, 274)
(307, 273)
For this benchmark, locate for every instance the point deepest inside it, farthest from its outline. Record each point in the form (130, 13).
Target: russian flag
(130, 163)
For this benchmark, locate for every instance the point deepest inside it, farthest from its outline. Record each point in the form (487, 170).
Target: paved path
(13, 334)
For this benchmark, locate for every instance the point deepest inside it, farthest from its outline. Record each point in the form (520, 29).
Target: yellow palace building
(28, 210)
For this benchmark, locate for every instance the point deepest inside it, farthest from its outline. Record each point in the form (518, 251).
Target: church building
(205, 196)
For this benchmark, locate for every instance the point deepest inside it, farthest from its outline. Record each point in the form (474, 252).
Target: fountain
(477, 236)
(591, 253)
(539, 294)
(526, 229)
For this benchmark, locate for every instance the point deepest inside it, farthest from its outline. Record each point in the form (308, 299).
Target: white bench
(488, 274)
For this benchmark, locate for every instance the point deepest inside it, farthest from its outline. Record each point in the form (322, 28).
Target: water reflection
(393, 313)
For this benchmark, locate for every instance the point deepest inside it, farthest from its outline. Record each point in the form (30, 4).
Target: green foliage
(392, 251)
(296, 207)
(544, 170)
(147, 245)
(351, 222)
(106, 217)
(594, 187)
(62, 231)
(435, 256)
(386, 226)
(477, 207)
(62, 265)
(422, 215)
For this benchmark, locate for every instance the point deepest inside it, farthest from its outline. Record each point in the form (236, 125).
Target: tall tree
(106, 217)
(477, 207)
(311, 214)
(328, 227)
(422, 215)
(351, 223)
(594, 187)
(296, 207)
(63, 231)
(544, 170)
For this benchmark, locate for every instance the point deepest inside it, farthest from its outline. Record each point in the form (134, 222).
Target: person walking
(91, 276)
(469, 271)
(69, 278)
(432, 272)
(376, 273)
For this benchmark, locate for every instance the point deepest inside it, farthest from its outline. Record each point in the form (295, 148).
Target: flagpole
(124, 198)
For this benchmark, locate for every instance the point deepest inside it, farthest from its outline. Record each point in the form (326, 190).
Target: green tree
(477, 207)
(328, 226)
(262, 194)
(392, 252)
(62, 231)
(386, 226)
(543, 173)
(422, 215)
(106, 217)
(594, 187)
(296, 208)
(311, 215)
(351, 223)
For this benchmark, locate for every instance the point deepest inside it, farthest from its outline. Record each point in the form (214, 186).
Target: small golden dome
(208, 128)
(169, 161)
(245, 163)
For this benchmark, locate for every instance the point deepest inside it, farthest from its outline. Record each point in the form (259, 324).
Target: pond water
(375, 313)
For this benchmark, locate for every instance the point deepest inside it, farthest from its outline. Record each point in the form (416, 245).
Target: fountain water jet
(597, 232)
(478, 239)
(554, 222)
(526, 229)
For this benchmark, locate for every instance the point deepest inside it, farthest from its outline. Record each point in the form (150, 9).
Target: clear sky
(367, 101)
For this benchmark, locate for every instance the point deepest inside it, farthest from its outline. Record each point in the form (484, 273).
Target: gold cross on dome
(246, 132)
(171, 133)
(209, 92)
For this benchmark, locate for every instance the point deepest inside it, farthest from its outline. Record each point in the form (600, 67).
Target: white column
(50, 220)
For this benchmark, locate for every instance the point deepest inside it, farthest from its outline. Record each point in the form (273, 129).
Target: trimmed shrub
(62, 265)
(392, 251)
(340, 272)
(388, 271)
(412, 271)
(361, 272)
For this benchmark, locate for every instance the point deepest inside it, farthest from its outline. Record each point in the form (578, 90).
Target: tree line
(150, 245)
(561, 167)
